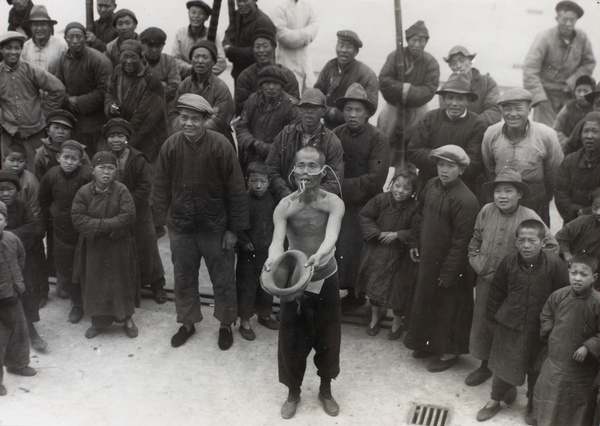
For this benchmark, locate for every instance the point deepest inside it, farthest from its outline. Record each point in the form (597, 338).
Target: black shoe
(351, 302)
(225, 337)
(330, 405)
(438, 365)
(247, 333)
(422, 354)
(477, 377)
(131, 331)
(159, 295)
(23, 371)
(76, 314)
(182, 335)
(268, 322)
(37, 342)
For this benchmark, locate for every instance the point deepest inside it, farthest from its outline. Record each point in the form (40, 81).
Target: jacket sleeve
(125, 219)
(487, 156)
(294, 38)
(498, 290)
(573, 143)
(567, 235)
(421, 94)
(181, 57)
(173, 80)
(243, 90)
(559, 125)
(242, 130)
(161, 191)
(370, 84)
(94, 100)
(45, 198)
(473, 148)
(55, 90)
(356, 189)
(322, 83)
(491, 110)
(418, 147)
(28, 228)
(390, 87)
(533, 66)
(561, 273)
(552, 161)
(368, 218)
(150, 111)
(236, 201)
(586, 66)
(567, 207)
(593, 343)
(224, 110)
(274, 161)
(415, 223)
(335, 160)
(143, 181)
(221, 64)
(547, 317)
(476, 260)
(82, 221)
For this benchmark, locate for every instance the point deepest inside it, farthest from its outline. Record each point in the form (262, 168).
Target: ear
(544, 241)
(595, 276)
(461, 170)
(57, 156)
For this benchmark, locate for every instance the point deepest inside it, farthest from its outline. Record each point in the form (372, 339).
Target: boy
(568, 117)
(14, 348)
(57, 191)
(310, 218)
(569, 323)
(61, 125)
(254, 244)
(24, 225)
(523, 282)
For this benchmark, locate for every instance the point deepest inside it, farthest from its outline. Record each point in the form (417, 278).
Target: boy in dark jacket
(57, 190)
(523, 282)
(254, 244)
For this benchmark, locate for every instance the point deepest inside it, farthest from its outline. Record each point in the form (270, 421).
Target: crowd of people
(107, 142)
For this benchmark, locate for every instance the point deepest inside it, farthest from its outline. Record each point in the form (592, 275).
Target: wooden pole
(214, 21)
(89, 15)
(400, 71)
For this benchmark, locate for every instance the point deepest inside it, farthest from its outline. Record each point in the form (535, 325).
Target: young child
(254, 246)
(103, 213)
(310, 218)
(493, 239)
(573, 111)
(24, 225)
(583, 233)
(441, 312)
(60, 127)
(14, 344)
(523, 282)
(570, 324)
(385, 264)
(57, 190)
(134, 172)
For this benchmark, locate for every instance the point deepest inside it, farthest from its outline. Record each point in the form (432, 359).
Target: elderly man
(160, 64)
(407, 94)
(103, 31)
(43, 49)
(18, 14)
(366, 162)
(203, 82)
(198, 13)
(263, 45)
(557, 57)
(22, 110)
(297, 26)
(530, 147)
(339, 73)
(199, 192)
(307, 131)
(266, 113)
(452, 124)
(460, 60)
(85, 72)
(125, 23)
(238, 36)
(137, 96)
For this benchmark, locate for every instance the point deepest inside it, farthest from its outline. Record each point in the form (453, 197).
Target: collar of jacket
(8, 68)
(191, 35)
(583, 295)
(527, 128)
(208, 81)
(524, 265)
(198, 140)
(320, 130)
(449, 185)
(48, 144)
(250, 16)
(83, 53)
(109, 190)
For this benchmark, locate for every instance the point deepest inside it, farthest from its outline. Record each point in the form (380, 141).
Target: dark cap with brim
(104, 157)
(313, 96)
(199, 3)
(153, 35)
(73, 145)
(117, 125)
(571, 6)
(591, 96)
(350, 36)
(63, 117)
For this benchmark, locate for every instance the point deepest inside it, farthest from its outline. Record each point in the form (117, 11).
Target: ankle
(325, 388)
(293, 394)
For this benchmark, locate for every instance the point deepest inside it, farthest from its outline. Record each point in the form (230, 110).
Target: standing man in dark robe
(103, 31)
(238, 36)
(339, 73)
(366, 162)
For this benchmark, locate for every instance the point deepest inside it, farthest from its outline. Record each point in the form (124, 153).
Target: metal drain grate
(429, 415)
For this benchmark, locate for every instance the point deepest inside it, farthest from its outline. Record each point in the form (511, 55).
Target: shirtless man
(310, 218)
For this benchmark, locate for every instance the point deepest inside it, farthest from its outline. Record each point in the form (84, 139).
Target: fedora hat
(511, 176)
(288, 276)
(39, 13)
(355, 93)
(459, 50)
(458, 83)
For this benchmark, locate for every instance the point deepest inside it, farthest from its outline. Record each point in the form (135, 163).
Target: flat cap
(133, 45)
(195, 102)
(3, 210)
(63, 117)
(153, 35)
(266, 34)
(452, 153)
(12, 35)
(313, 97)
(8, 176)
(122, 13)
(569, 5)
(208, 45)
(458, 83)
(350, 36)
(75, 25)
(39, 13)
(514, 94)
(117, 125)
(417, 29)
(104, 157)
(591, 96)
(73, 145)
(199, 3)
(459, 50)
(355, 92)
(271, 73)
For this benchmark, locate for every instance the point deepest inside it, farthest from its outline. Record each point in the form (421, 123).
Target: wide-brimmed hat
(313, 97)
(117, 125)
(199, 3)
(589, 97)
(452, 153)
(272, 73)
(194, 102)
(458, 83)
(569, 5)
(63, 117)
(288, 276)
(39, 13)
(355, 93)
(12, 35)
(514, 94)
(511, 176)
(459, 50)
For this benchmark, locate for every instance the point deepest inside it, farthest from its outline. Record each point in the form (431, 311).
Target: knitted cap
(133, 45)
(8, 176)
(208, 45)
(122, 13)
(266, 34)
(271, 73)
(117, 125)
(418, 28)
(75, 25)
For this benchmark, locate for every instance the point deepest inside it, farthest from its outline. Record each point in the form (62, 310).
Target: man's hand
(567, 256)
(248, 247)
(388, 237)
(580, 354)
(160, 231)
(314, 260)
(229, 240)
(90, 37)
(414, 255)
(267, 265)
(114, 109)
(72, 104)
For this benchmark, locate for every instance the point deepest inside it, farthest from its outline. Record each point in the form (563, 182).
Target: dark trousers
(314, 324)
(14, 337)
(251, 297)
(500, 387)
(187, 250)
(33, 276)
(64, 256)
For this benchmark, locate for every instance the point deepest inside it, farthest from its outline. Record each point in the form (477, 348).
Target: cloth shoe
(330, 406)
(373, 331)
(92, 332)
(422, 354)
(487, 413)
(247, 333)
(268, 322)
(288, 409)
(225, 337)
(23, 371)
(160, 295)
(181, 336)
(131, 331)
(76, 314)
(37, 342)
(477, 377)
(2, 390)
(437, 365)
(395, 335)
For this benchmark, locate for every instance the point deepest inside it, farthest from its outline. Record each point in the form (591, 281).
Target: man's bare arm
(336, 209)
(280, 222)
